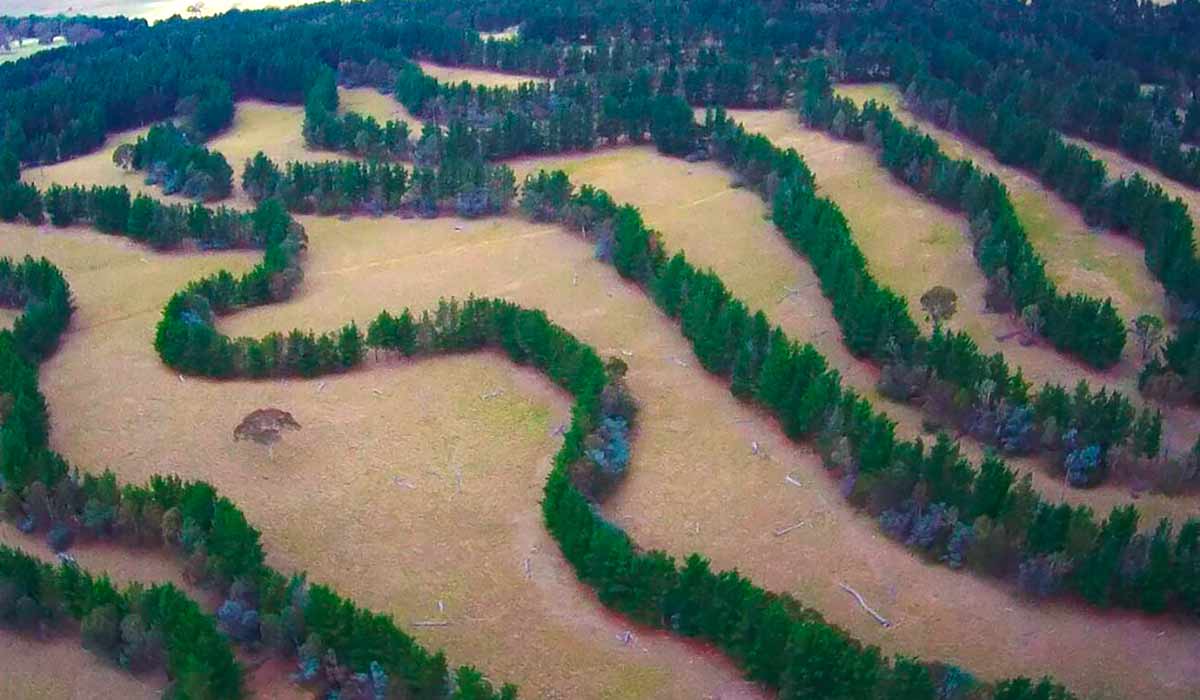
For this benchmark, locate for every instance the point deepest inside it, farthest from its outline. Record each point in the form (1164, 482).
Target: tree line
(338, 645)
(1091, 434)
(1081, 326)
(1019, 114)
(1131, 205)
(931, 499)
(781, 643)
(1033, 62)
(469, 187)
(136, 627)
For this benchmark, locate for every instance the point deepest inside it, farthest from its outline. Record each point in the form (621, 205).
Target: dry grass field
(912, 244)
(458, 74)
(257, 126)
(1078, 258)
(727, 229)
(378, 462)
(436, 486)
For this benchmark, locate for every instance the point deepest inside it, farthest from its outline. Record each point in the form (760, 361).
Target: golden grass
(694, 483)
(61, 669)
(1078, 259)
(383, 107)
(456, 74)
(904, 239)
(346, 476)
(274, 129)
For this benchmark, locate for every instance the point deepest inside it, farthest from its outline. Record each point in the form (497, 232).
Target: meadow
(434, 468)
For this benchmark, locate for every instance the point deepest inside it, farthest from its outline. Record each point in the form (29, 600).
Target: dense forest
(1011, 76)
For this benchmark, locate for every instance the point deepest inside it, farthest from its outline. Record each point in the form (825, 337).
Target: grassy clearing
(1101, 264)
(457, 74)
(383, 107)
(502, 35)
(381, 470)
(694, 485)
(27, 47)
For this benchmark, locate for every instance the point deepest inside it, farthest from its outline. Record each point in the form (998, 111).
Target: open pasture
(459, 74)
(436, 486)
(911, 244)
(1103, 264)
(383, 469)
(698, 211)
(274, 129)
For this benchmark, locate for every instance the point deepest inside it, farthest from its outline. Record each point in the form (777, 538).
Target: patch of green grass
(27, 48)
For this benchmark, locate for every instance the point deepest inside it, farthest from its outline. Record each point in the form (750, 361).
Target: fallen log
(785, 530)
(871, 611)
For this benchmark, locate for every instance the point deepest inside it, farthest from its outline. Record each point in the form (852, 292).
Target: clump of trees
(325, 128)
(171, 160)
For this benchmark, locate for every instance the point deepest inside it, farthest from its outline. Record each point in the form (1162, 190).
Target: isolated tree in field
(940, 303)
(1149, 331)
(265, 426)
(123, 156)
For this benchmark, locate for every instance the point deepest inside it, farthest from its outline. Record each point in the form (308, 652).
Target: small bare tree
(1031, 318)
(940, 303)
(1149, 330)
(265, 426)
